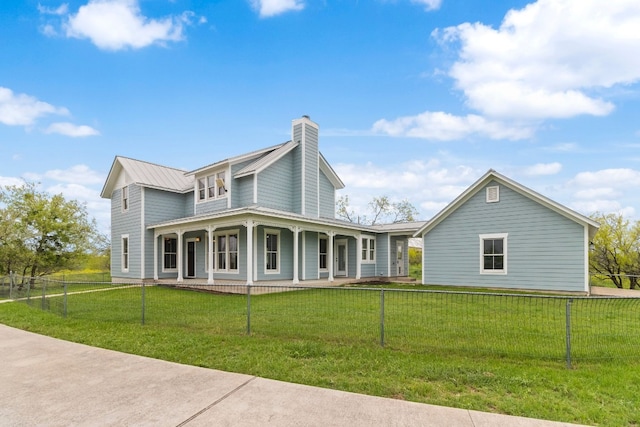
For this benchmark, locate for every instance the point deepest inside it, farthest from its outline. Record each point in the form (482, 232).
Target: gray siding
(327, 197)
(545, 250)
(129, 222)
(241, 188)
(209, 206)
(311, 256)
(273, 180)
(311, 171)
(382, 254)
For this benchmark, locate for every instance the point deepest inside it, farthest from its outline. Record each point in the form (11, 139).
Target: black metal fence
(569, 328)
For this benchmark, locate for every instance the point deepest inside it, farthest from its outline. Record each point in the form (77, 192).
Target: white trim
(226, 269)
(278, 250)
(494, 236)
(303, 146)
(249, 225)
(388, 255)
(345, 242)
(255, 188)
(122, 253)
(587, 248)
(492, 194)
(142, 235)
(367, 259)
(327, 260)
(304, 255)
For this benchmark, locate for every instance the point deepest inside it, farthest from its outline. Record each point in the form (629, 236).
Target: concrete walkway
(49, 382)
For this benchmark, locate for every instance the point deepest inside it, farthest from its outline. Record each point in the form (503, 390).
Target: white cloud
(10, 180)
(69, 129)
(24, 110)
(269, 8)
(547, 59)
(119, 24)
(429, 4)
(440, 126)
(623, 177)
(427, 184)
(543, 169)
(63, 9)
(77, 173)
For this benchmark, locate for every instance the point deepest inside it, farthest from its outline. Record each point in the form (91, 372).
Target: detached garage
(500, 234)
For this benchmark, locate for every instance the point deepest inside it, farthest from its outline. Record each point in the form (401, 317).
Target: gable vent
(493, 194)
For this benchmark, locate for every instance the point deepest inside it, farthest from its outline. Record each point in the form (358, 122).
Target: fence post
(248, 309)
(381, 317)
(568, 333)
(44, 292)
(143, 304)
(64, 299)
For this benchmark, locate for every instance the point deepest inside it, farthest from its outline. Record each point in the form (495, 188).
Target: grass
(331, 339)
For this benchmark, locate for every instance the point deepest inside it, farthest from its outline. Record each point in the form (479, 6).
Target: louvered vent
(493, 194)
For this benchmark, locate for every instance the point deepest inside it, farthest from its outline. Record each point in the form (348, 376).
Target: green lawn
(503, 354)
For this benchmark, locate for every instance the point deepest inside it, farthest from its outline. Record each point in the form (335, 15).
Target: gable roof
(266, 161)
(147, 175)
(492, 175)
(237, 159)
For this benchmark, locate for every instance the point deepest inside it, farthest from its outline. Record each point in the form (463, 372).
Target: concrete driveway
(50, 382)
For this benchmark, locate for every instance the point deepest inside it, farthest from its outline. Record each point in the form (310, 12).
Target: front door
(341, 258)
(400, 258)
(191, 258)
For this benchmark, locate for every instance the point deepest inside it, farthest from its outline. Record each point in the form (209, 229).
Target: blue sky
(415, 99)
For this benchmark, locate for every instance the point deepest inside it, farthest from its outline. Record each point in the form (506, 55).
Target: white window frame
(125, 198)
(227, 253)
(208, 189)
(277, 251)
(493, 194)
(326, 254)
(124, 256)
(368, 252)
(494, 236)
(164, 253)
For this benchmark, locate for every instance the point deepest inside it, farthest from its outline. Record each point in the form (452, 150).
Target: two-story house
(267, 215)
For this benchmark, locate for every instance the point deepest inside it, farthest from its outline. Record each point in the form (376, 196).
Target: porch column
(179, 256)
(155, 256)
(296, 232)
(210, 255)
(330, 255)
(249, 226)
(358, 256)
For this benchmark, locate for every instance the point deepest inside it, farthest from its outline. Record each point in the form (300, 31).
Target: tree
(616, 249)
(381, 210)
(41, 233)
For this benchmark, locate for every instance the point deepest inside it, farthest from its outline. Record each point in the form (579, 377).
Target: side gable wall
(273, 182)
(128, 223)
(545, 249)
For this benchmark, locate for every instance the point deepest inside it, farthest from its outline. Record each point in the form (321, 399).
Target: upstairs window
(125, 198)
(201, 192)
(493, 253)
(212, 187)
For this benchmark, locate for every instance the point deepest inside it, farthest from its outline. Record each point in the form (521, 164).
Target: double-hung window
(170, 258)
(322, 253)
(226, 252)
(368, 249)
(201, 189)
(272, 251)
(125, 253)
(493, 253)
